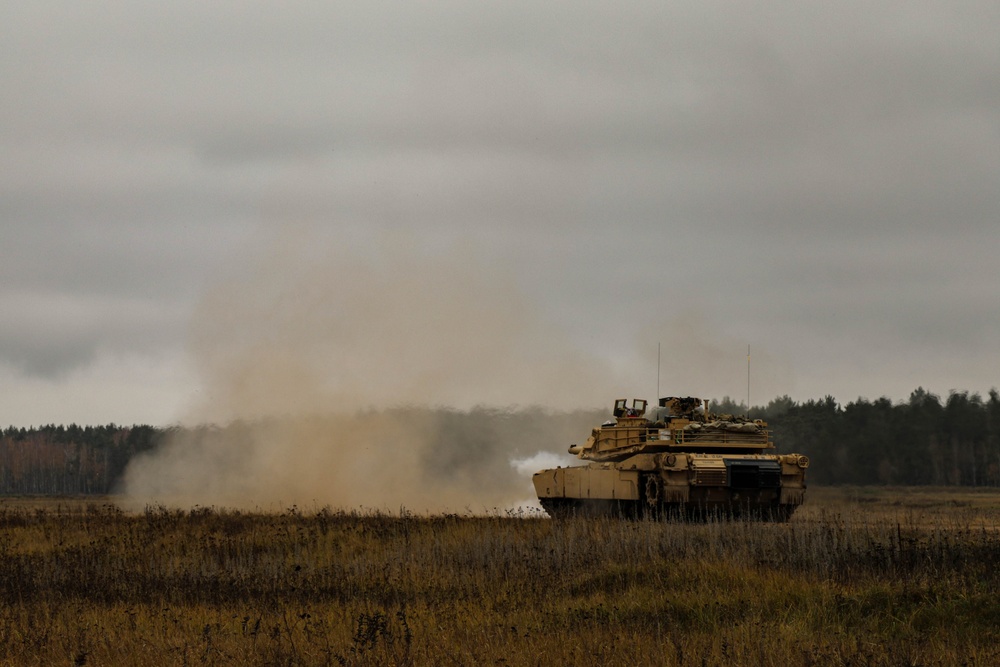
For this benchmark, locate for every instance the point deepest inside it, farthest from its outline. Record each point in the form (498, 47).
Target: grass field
(860, 576)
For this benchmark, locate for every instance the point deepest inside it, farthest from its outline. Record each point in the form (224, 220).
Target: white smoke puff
(540, 461)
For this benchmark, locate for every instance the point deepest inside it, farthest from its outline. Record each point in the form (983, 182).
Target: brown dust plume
(395, 378)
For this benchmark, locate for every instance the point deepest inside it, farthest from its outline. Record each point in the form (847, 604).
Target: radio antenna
(657, 373)
(748, 381)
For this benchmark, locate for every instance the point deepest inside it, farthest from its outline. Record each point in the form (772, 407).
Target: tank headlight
(670, 460)
(803, 461)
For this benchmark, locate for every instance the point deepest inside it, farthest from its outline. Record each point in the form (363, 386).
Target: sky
(214, 210)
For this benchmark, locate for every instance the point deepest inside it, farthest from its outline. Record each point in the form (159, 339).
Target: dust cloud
(362, 379)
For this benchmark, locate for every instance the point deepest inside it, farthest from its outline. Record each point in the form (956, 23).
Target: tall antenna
(657, 373)
(748, 381)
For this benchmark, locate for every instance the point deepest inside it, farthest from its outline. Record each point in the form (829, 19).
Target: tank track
(564, 508)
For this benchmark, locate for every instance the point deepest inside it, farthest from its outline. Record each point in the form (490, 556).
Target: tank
(678, 461)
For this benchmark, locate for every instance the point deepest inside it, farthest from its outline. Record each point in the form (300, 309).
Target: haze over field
(301, 352)
(231, 210)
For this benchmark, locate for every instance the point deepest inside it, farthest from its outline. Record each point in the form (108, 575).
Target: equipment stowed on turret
(680, 461)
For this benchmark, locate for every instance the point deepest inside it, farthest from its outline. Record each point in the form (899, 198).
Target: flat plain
(859, 576)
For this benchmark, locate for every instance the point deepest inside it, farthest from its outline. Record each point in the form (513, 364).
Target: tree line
(70, 460)
(922, 441)
(925, 440)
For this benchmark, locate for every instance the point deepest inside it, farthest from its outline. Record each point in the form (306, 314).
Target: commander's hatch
(623, 411)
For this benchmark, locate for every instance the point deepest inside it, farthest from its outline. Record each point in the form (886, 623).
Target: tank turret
(676, 459)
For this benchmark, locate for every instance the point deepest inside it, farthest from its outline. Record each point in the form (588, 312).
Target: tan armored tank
(678, 461)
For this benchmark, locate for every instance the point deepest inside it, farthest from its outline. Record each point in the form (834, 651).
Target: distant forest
(922, 441)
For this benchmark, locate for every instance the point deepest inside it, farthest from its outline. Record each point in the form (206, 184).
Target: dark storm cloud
(805, 176)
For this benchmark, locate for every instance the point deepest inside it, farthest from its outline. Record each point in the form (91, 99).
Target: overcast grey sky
(429, 202)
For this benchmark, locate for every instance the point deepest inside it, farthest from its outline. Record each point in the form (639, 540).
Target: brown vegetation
(859, 576)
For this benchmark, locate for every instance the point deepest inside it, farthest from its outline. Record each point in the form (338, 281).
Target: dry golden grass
(859, 576)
